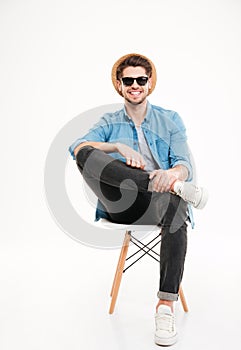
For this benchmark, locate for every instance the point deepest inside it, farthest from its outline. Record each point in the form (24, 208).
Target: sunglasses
(128, 81)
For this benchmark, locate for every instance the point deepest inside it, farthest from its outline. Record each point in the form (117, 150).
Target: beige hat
(120, 60)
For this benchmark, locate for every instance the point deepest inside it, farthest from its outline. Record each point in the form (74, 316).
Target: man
(137, 162)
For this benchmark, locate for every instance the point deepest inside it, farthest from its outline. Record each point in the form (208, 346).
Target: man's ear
(149, 83)
(119, 87)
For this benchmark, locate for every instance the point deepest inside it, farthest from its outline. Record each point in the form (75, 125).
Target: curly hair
(134, 61)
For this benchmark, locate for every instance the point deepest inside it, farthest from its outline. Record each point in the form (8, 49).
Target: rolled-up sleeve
(98, 133)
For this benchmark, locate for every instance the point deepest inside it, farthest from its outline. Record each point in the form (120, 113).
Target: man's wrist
(180, 172)
(116, 146)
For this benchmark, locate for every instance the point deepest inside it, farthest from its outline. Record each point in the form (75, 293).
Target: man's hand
(133, 158)
(162, 180)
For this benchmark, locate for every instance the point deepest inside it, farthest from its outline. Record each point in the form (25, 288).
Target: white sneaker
(194, 195)
(166, 333)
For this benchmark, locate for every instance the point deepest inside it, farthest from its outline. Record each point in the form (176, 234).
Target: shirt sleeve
(98, 133)
(179, 150)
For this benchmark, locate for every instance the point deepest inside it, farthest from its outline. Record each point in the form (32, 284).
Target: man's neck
(136, 112)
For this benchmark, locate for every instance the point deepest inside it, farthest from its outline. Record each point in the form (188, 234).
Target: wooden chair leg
(183, 300)
(119, 271)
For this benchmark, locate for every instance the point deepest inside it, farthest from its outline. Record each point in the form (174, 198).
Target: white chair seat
(142, 228)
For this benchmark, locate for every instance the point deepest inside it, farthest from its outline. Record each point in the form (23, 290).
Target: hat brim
(120, 60)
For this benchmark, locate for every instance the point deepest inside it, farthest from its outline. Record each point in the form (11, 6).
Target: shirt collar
(147, 117)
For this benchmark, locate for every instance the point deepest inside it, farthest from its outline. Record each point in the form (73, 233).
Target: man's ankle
(165, 302)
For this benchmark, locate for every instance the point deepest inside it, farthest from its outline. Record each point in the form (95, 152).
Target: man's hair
(134, 61)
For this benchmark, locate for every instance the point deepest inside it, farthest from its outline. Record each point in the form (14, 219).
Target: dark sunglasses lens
(141, 81)
(128, 81)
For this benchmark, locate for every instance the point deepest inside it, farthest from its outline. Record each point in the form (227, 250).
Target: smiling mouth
(135, 93)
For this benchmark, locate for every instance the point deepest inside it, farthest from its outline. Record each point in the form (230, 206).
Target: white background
(56, 59)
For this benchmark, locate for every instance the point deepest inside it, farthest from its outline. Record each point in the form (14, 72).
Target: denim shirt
(165, 135)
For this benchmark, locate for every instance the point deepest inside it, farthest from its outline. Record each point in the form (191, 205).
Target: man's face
(134, 94)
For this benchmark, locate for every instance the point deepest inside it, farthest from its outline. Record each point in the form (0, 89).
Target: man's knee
(83, 155)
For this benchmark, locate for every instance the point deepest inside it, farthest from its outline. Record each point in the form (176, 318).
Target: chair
(142, 249)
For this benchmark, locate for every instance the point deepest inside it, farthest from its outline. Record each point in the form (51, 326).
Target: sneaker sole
(203, 200)
(166, 341)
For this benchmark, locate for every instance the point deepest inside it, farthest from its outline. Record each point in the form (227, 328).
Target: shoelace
(165, 322)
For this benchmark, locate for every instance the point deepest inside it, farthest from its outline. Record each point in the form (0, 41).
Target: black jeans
(123, 192)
